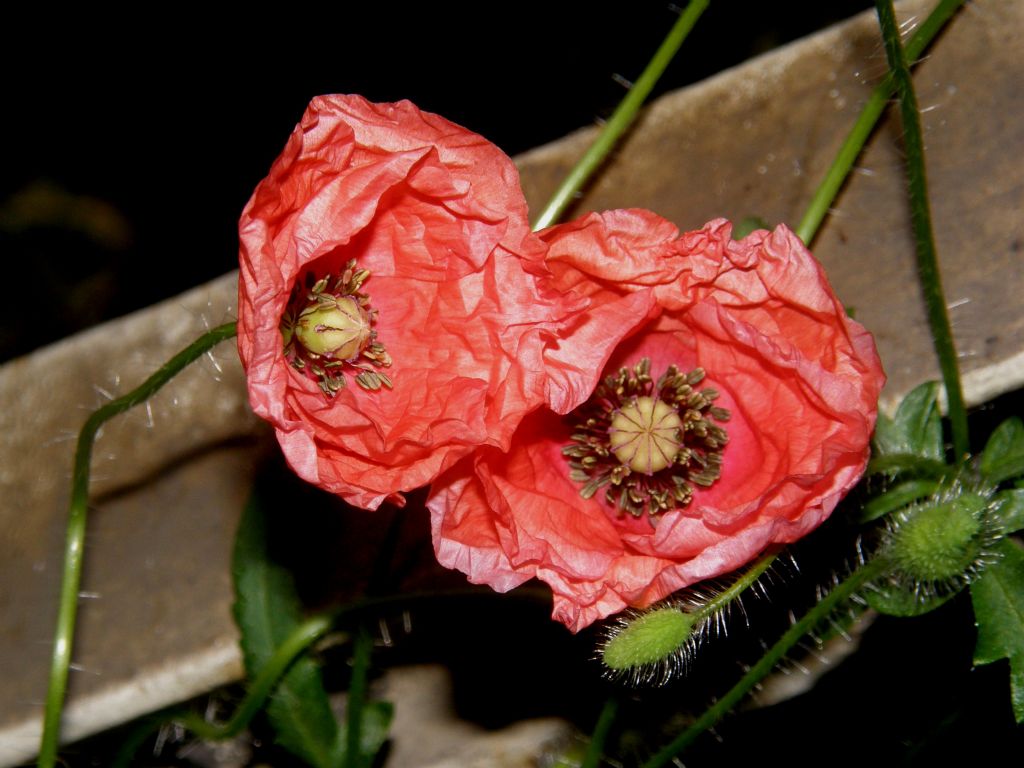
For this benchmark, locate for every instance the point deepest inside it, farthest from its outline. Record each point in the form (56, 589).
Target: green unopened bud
(941, 540)
(648, 639)
(334, 327)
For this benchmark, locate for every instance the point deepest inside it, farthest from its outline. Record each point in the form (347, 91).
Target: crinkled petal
(464, 303)
(800, 379)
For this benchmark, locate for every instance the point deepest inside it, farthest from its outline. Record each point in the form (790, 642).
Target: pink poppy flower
(393, 306)
(735, 416)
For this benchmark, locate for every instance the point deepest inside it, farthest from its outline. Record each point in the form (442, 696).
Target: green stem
(622, 118)
(722, 599)
(357, 698)
(921, 217)
(592, 759)
(866, 121)
(297, 643)
(74, 546)
(843, 591)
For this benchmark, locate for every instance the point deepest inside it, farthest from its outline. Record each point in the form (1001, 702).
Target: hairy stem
(297, 643)
(78, 512)
(866, 121)
(921, 218)
(744, 582)
(622, 118)
(843, 591)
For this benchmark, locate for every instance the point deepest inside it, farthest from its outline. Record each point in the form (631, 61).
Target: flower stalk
(921, 218)
(74, 548)
(622, 117)
(865, 124)
(648, 646)
(843, 591)
(298, 642)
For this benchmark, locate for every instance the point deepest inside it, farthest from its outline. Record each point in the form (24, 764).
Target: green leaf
(1011, 509)
(887, 439)
(1006, 440)
(1003, 457)
(266, 610)
(916, 428)
(998, 597)
(896, 601)
(896, 497)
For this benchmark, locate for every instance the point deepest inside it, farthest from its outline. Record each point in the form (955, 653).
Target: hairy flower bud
(936, 548)
(648, 638)
(941, 540)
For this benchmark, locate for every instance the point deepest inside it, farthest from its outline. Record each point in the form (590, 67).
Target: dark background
(130, 154)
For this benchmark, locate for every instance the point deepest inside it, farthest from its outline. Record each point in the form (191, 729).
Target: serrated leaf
(916, 428)
(895, 601)
(1003, 457)
(896, 497)
(267, 610)
(998, 598)
(1011, 509)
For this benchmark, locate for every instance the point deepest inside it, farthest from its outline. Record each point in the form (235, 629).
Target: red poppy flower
(392, 304)
(736, 416)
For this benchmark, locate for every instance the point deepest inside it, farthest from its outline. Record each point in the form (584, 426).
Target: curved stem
(866, 121)
(623, 116)
(921, 217)
(297, 643)
(78, 509)
(843, 591)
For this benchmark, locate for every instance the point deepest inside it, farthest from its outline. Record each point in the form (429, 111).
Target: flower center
(327, 332)
(645, 435)
(335, 326)
(647, 443)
